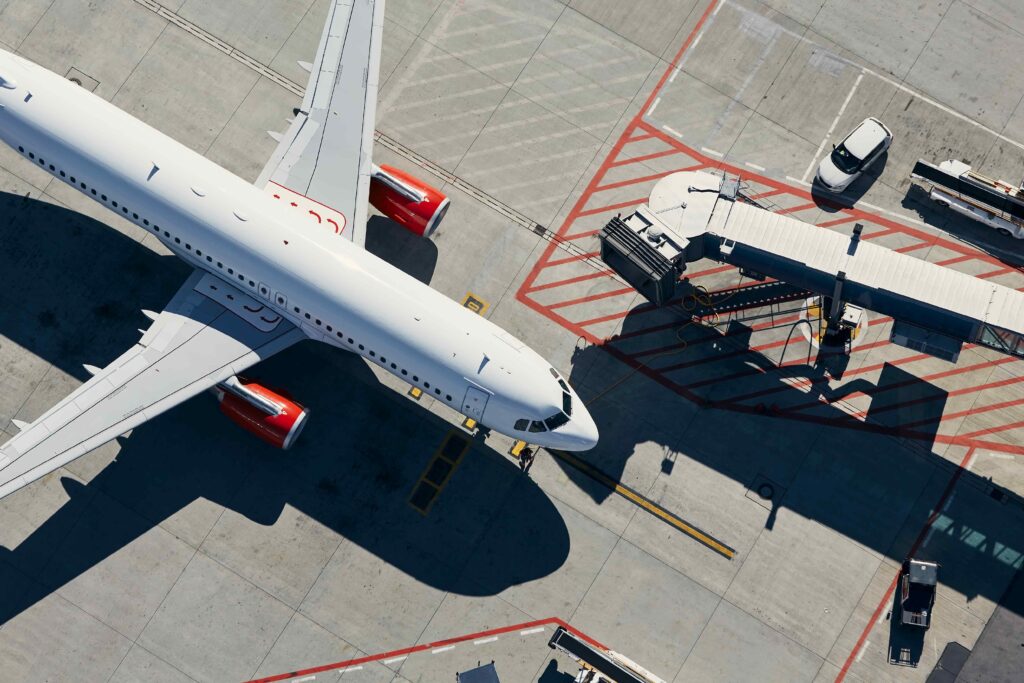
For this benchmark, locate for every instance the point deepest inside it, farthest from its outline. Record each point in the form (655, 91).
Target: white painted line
(835, 122)
(696, 40)
(539, 629)
(650, 112)
(717, 7)
(307, 678)
(1002, 456)
(896, 84)
(754, 166)
(797, 181)
(395, 659)
(862, 649)
(485, 640)
(675, 72)
(442, 649)
(942, 107)
(672, 130)
(712, 152)
(351, 668)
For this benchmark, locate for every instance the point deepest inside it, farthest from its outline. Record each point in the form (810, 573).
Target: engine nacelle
(407, 200)
(267, 414)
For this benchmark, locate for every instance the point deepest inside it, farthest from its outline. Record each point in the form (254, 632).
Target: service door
(474, 403)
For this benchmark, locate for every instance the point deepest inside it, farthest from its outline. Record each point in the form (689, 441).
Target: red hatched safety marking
(525, 629)
(592, 304)
(321, 214)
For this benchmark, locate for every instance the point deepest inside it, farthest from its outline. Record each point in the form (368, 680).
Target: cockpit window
(567, 403)
(556, 421)
(521, 425)
(537, 426)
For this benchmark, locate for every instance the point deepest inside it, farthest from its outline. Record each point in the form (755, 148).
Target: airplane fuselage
(335, 291)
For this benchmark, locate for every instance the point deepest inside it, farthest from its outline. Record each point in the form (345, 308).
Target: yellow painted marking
(517, 448)
(649, 506)
(475, 303)
(415, 392)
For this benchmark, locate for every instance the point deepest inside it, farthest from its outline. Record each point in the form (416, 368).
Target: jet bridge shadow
(877, 489)
(72, 289)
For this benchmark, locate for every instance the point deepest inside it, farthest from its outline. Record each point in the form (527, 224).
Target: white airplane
(275, 263)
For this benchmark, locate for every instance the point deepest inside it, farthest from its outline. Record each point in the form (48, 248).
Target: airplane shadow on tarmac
(72, 290)
(861, 485)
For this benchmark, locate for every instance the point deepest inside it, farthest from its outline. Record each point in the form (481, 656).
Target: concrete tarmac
(188, 551)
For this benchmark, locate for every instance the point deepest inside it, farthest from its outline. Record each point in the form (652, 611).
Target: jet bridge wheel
(814, 331)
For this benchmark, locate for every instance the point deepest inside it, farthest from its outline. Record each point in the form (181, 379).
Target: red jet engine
(261, 411)
(407, 200)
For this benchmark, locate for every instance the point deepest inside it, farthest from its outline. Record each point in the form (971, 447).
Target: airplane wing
(322, 163)
(209, 331)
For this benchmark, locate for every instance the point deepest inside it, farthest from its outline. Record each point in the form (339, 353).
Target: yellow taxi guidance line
(646, 504)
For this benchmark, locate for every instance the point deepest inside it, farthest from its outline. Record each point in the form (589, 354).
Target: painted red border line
(646, 157)
(603, 168)
(569, 281)
(993, 430)
(429, 646)
(875, 391)
(612, 207)
(593, 297)
(766, 194)
(937, 397)
(646, 178)
(798, 208)
(572, 259)
(847, 219)
(887, 597)
(639, 138)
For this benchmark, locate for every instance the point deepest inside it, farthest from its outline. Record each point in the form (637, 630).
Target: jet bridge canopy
(937, 308)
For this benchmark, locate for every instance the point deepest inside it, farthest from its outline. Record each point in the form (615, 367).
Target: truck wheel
(941, 202)
(1004, 232)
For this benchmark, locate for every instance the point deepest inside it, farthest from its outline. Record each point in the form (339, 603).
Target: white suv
(850, 157)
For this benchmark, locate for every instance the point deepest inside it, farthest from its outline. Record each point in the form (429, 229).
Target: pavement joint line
(645, 503)
(384, 139)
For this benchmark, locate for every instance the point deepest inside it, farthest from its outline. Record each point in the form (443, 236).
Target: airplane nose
(581, 433)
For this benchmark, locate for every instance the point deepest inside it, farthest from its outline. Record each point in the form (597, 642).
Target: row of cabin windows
(209, 259)
(145, 221)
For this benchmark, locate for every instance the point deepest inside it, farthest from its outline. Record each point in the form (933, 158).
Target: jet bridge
(697, 214)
